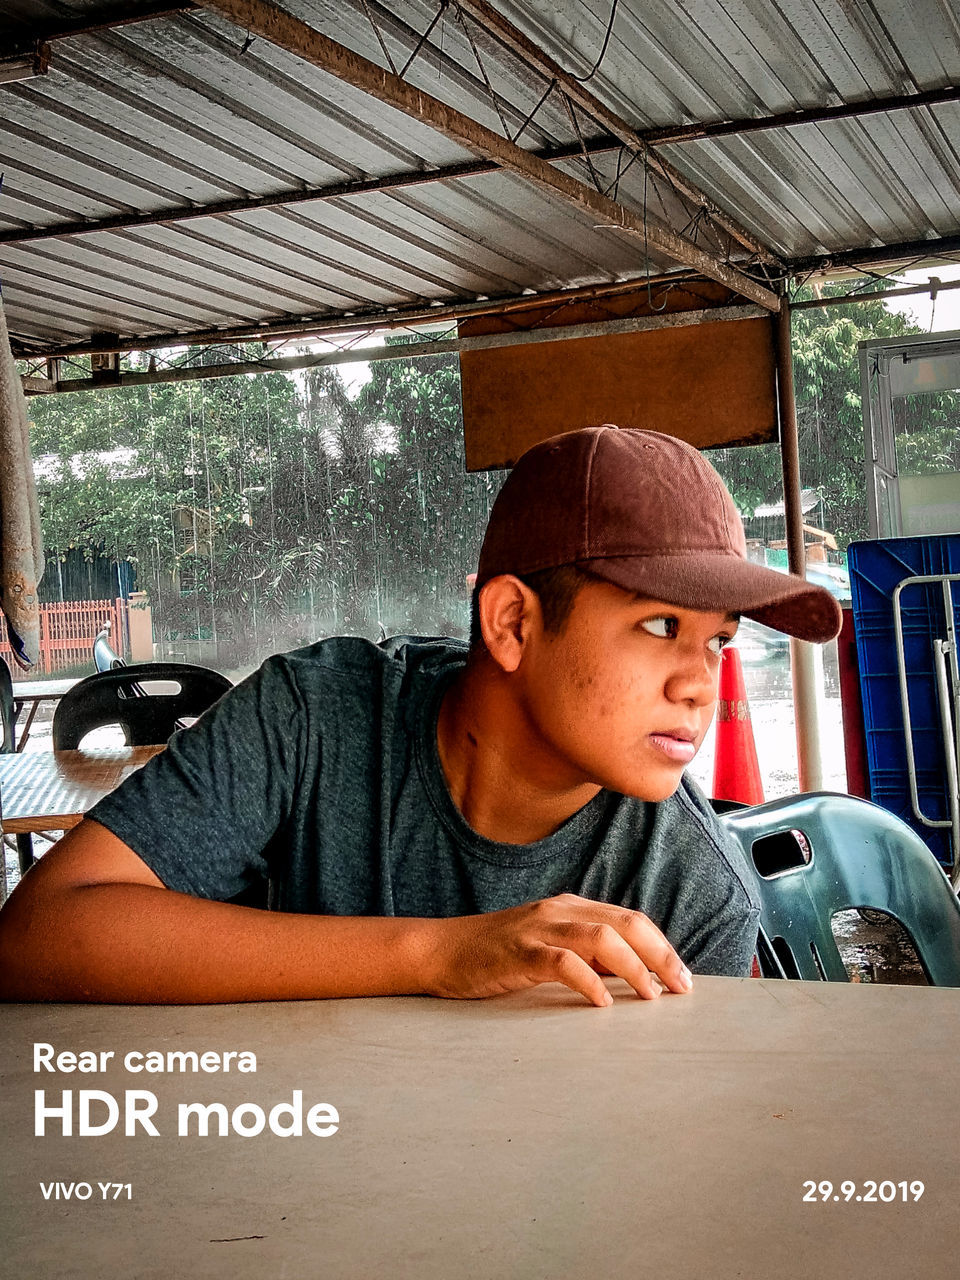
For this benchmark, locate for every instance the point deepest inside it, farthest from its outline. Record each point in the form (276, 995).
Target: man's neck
(499, 775)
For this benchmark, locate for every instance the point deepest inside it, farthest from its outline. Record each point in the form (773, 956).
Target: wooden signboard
(693, 368)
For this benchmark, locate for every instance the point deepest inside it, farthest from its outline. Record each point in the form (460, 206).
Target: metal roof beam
(94, 20)
(533, 56)
(333, 191)
(331, 324)
(408, 351)
(38, 385)
(812, 115)
(264, 19)
(915, 252)
(930, 290)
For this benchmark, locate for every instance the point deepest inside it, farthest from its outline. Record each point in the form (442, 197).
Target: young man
(424, 817)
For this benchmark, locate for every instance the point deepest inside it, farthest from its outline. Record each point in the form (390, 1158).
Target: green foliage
(830, 420)
(260, 511)
(303, 508)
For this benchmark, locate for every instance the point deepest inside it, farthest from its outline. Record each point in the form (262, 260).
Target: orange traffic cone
(736, 770)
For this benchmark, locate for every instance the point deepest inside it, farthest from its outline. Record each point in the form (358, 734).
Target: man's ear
(508, 612)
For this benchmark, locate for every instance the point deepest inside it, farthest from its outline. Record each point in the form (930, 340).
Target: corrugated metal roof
(174, 112)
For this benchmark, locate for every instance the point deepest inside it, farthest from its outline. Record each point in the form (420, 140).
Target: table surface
(529, 1136)
(41, 690)
(52, 790)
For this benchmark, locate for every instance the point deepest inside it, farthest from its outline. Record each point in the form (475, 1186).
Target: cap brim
(717, 582)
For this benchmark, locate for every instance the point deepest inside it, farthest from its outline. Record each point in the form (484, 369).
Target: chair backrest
(105, 657)
(107, 698)
(859, 856)
(6, 709)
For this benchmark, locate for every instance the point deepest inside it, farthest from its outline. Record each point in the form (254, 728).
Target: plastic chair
(107, 698)
(817, 854)
(105, 657)
(6, 709)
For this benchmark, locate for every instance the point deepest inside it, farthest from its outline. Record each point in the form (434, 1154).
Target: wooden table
(526, 1137)
(30, 693)
(52, 790)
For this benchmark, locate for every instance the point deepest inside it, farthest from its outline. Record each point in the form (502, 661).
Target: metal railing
(946, 671)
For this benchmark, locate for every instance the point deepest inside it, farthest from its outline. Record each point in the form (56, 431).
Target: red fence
(67, 632)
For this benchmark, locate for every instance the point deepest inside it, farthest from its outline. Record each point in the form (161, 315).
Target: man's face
(623, 696)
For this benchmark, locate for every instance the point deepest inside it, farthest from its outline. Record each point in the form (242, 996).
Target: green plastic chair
(845, 853)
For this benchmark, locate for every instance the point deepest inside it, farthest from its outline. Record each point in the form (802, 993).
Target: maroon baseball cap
(646, 512)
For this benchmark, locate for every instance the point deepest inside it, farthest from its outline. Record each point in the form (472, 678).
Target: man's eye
(718, 643)
(664, 627)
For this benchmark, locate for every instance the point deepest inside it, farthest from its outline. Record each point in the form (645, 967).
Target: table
(525, 1137)
(31, 693)
(52, 790)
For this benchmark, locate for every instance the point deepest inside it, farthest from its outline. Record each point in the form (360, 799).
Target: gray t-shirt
(316, 786)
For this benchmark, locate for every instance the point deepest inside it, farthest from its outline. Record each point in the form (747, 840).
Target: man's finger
(647, 941)
(557, 964)
(601, 944)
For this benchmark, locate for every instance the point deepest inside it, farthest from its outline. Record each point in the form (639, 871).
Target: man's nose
(694, 678)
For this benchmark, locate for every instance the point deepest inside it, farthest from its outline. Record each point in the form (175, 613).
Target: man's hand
(91, 921)
(565, 939)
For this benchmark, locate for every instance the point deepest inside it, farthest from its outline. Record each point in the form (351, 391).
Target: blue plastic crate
(875, 570)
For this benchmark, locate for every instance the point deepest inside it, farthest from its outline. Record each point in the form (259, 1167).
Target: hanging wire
(424, 38)
(700, 212)
(603, 48)
(545, 95)
(483, 72)
(380, 39)
(585, 155)
(613, 190)
(646, 250)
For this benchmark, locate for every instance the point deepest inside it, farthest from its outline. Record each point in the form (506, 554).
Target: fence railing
(67, 632)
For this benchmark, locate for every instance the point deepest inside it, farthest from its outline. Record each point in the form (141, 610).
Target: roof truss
(264, 19)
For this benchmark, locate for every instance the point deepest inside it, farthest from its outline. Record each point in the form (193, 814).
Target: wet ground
(877, 949)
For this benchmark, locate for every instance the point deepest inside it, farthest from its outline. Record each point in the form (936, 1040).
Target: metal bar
(940, 648)
(423, 40)
(870, 443)
(672, 134)
(265, 19)
(806, 694)
(911, 290)
(277, 199)
(850, 259)
(399, 318)
(105, 20)
(919, 580)
(954, 669)
(905, 706)
(534, 56)
(325, 326)
(952, 690)
(203, 372)
(439, 346)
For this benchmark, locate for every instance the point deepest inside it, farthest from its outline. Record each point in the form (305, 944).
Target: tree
(830, 418)
(261, 511)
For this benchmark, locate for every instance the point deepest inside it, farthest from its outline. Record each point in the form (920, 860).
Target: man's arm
(92, 922)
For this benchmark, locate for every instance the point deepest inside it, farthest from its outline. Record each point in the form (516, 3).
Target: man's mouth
(678, 745)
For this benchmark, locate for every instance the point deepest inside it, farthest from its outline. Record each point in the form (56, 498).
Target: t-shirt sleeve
(721, 934)
(202, 814)
(726, 948)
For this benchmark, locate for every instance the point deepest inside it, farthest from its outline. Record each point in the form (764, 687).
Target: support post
(803, 656)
